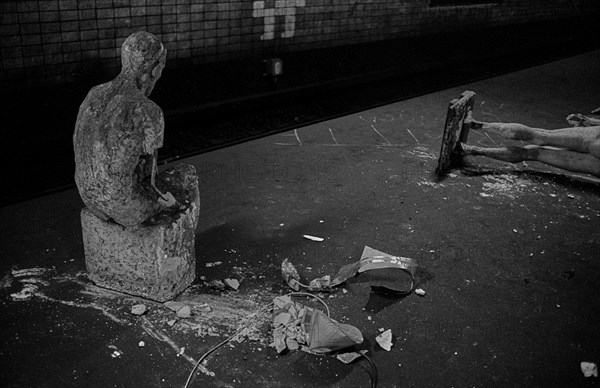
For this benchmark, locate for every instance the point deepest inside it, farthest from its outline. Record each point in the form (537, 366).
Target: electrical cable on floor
(242, 328)
(373, 371)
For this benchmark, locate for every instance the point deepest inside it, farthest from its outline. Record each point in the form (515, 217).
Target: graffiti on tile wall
(286, 8)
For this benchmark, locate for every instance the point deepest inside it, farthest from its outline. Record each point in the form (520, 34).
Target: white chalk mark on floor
(333, 137)
(297, 137)
(103, 310)
(159, 335)
(413, 136)
(386, 140)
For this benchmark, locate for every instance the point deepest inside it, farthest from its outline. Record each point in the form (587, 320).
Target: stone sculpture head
(143, 58)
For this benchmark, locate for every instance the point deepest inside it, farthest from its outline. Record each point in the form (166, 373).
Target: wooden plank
(454, 132)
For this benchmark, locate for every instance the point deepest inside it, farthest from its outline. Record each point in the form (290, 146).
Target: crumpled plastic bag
(370, 259)
(296, 326)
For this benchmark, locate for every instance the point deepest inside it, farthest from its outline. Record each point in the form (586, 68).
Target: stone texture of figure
(136, 239)
(118, 131)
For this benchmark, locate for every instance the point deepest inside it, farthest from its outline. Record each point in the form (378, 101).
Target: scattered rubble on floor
(589, 369)
(31, 280)
(296, 326)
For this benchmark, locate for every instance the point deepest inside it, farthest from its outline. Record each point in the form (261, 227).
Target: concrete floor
(507, 255)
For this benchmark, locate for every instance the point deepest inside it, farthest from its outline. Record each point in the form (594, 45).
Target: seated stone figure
(136, 239)
(118, 131)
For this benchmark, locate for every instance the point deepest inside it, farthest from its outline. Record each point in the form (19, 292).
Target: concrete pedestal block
(155, 259)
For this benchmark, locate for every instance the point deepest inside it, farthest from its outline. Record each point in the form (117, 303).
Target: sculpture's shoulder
(147, 109)
(149, 118)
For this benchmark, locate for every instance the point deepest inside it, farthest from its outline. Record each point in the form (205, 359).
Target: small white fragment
(515, 231)
(589, 369)
(141, 344)
(369, 318)
(570, 196)
(233, 283)
(181, 351)
(313, 238)
(420, 292)
(344, 291)
(171, 322)
(552, 195)
(138, 309)
(452, 175)
(385, 340)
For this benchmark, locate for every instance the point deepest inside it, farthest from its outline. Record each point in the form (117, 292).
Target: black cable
(373, 372)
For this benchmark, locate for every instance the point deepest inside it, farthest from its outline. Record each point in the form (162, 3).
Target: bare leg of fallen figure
(565, 159)
(584, 140)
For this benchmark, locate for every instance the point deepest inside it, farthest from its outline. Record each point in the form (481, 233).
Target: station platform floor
(507, 254)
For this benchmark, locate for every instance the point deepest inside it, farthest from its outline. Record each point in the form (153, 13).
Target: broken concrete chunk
(174, 306)
(233, 283)
(184, 312)
(138, 309)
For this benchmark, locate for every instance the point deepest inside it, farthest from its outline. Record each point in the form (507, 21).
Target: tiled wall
(53, 41)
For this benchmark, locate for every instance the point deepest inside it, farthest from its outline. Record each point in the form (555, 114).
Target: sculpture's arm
(579, 120)
(151, 120)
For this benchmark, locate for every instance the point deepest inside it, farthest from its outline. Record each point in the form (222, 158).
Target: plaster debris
(25, 294)
(116, 352)
(508, 185)
(184, 312)
(571, 196)
(208, 265)
(589, 369)
(385, 340)
(6, 281)
(420, 292)
(313, 238)
(233, 283)
(141, 344)
(139, 309)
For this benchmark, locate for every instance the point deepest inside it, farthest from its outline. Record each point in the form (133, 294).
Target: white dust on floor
(219, 315)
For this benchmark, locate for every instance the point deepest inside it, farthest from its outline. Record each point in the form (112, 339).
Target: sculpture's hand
(167, 200)
(576, 120)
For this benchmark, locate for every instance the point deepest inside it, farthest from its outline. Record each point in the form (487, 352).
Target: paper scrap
(385, 340)
(313, 238)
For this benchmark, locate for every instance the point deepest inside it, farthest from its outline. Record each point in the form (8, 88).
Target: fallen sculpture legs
(573, 149)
